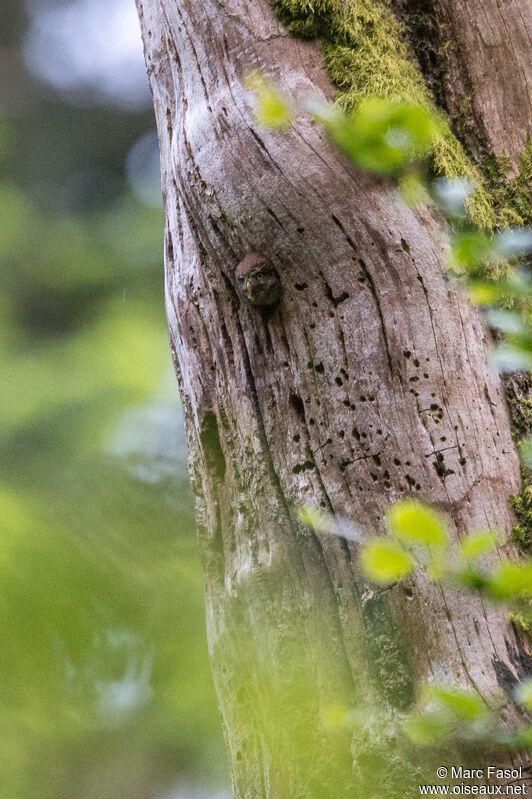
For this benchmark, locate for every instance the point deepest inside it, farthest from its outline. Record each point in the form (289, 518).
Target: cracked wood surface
(367, 383)
(490, 77)
(477, 57)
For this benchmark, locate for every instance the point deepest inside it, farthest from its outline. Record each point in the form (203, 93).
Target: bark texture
(476, 56)
(366, 383)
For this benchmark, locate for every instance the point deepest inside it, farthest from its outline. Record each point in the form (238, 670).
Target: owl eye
(259, 275)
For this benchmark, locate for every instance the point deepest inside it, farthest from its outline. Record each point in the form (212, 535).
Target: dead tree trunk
(367, 382)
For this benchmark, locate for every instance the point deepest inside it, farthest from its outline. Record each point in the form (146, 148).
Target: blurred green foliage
(382, 137)
(272, 109)
(105, 688)
(451, 712)
(418, 539)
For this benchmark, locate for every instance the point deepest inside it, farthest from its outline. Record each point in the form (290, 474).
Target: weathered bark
(476, 56)
(367, 383)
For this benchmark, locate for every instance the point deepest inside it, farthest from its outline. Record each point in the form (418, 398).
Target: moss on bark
(366, 53)
(518, 390)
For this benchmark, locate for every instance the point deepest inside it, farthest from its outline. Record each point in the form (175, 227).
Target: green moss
(523, 622)
(522, 538)
(365, 53)
(522, 507)
(521, 185)
(511, 196)
(518, 387)
(519, 405)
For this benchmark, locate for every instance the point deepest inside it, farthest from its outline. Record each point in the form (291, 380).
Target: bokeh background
(105, 689)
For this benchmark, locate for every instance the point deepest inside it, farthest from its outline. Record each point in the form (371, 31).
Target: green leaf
(383, 137)
(451, 195)
(478, 543)
(272, 109)
(448, 706)
(516, 286)
(523, 694)
(426, 729)
(436, 568)
(412, 522)
(514, 242)
(414, 190)
(337, 717)
(506, 321)
(524, 737)
(471, 248)
(512, 580)
(511, 359)
(483, 293)
(525, 452)
(470, 578)
(312, 517)
(461, 704)
(386, 561)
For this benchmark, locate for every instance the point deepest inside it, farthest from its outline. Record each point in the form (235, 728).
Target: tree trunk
(476, 57)
(367, 382)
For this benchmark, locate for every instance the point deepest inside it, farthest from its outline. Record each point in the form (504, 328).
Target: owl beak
(248, 287)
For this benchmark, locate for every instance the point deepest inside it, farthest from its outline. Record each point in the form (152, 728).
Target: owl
(258, 280)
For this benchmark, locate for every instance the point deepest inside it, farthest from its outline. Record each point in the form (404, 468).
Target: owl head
(258, 280)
